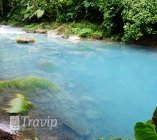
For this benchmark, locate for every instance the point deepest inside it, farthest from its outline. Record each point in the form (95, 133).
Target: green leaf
(19, 105)
(40, 13)
(144, 131)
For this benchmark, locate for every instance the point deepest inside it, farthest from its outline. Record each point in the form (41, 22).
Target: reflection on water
(107, 88)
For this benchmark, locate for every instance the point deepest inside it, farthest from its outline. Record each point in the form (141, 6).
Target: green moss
(19, 105)
(28, 84)
(44, 64)
(64, 29)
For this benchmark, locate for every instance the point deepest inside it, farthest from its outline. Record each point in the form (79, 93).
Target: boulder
(25, 40)
(40, 31)
(63, 29)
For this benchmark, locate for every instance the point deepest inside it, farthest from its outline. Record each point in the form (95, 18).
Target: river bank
(79, 30)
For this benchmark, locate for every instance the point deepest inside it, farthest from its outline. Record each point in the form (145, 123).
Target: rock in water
(41, 31)
(25, 40)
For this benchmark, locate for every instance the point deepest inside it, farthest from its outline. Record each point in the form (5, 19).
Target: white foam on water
(10, 30)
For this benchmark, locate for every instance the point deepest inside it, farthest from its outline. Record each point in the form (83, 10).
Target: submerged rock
(47, 66)
(25, 40)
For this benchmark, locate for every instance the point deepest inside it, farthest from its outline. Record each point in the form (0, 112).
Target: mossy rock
(19, 105)
(28, 84)
(25, 40)
(63, 29)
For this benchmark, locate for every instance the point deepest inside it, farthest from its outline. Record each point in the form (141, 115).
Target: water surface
(107, 87)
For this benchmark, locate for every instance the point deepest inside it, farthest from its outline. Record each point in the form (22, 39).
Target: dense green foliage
(126, 19)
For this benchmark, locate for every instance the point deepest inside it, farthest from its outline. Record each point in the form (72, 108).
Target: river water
(107, 87)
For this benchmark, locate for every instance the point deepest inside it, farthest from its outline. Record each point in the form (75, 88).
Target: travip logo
(18, 122)
(15, 123)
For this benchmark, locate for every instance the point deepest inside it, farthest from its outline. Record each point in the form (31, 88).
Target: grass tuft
(19, 105)
(28, 84)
